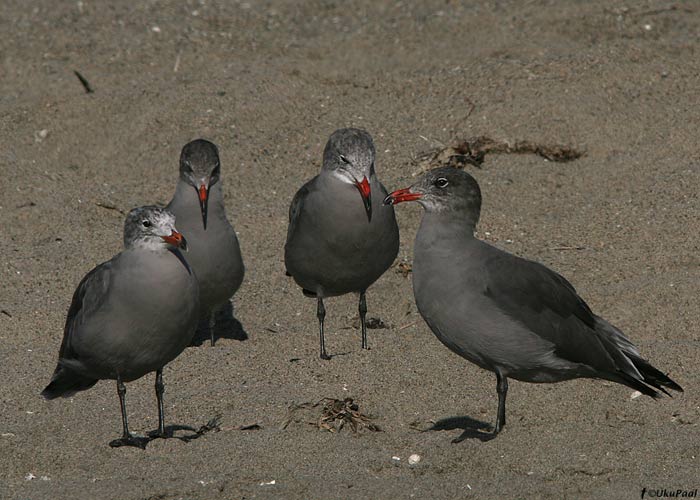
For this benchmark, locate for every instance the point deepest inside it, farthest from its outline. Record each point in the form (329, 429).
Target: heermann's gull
(198, 206)
(130, 315)
(340, 237)
(506, 314)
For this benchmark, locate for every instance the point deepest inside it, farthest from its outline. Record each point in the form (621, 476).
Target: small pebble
(635, 395)
(413, 459)
(41, 135)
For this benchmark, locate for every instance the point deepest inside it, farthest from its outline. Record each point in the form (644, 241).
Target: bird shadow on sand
(471, 428)
(338, 354)
(225, 327)
(190, 434)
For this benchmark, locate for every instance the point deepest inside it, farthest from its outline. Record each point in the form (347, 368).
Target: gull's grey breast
(214, 254)
(146, 319)
(331, 247)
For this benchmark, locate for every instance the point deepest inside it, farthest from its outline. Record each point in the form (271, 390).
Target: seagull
(341, 238)
(198, 206)
(130, 316)
(512, 316)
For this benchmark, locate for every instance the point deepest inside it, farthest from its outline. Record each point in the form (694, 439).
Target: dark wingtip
(638, 385)
(65, 384)
(668, 382)
(54, 389)
(48, 394)
(654, 377)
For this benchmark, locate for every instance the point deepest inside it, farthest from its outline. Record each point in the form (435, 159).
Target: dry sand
(268, 82)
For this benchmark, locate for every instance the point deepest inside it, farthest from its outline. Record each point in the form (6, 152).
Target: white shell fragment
(413, 459)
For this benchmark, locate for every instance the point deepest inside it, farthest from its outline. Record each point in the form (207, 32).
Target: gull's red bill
(366, 192)
(364, 188)
(176, 239)
(401, 195)
(203, 202)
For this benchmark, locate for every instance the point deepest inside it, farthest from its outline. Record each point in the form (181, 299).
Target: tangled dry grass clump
(334, 415)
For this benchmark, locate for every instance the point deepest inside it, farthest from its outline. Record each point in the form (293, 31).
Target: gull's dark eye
(146, 223)
(344, 160)
(441, 182)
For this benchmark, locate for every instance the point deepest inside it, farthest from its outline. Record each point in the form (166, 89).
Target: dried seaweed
(214, 425)
(376, 324)
(473, 151)
(404, 269)
(335, 414)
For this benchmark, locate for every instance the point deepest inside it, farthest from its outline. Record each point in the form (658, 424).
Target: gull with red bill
(338, 240)
(130, 316)
(512, 316)
(176, 239)
(198, 205)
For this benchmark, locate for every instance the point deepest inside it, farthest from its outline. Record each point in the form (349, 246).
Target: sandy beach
(268, 82)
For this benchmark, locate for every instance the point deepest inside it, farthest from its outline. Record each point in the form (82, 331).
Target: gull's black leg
(212, 325)
(160, 390)
(321, 314)
(363, 320)
(502, 389)
(127, 438)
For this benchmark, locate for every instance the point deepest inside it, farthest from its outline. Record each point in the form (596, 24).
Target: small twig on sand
(662, 11)
(565, 247)
(107, 206)
(84, 82)
(463, 120)
(407, 326)
(250, 427)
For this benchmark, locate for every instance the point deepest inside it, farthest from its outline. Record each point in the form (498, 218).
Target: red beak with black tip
(203, 194)
(366, 193)
(176, 239)
(401, 195)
